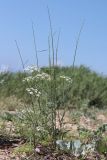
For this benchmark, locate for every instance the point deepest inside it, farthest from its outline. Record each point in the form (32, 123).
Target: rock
(76, 147)
(64, 145)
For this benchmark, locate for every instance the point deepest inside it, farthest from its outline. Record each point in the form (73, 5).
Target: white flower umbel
(43, 76)
(2, 81)
(67, 79)
(31, 69)
(39, 128)
(28, 79)
(33, 91)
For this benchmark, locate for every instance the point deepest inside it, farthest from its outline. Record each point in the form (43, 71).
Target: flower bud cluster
(28, 79)
(67, 79)
(43, 76)
(39, 128)
(31, 69)
(2, 81)
(33, 91)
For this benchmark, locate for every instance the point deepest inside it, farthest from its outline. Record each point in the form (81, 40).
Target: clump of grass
(23, 149)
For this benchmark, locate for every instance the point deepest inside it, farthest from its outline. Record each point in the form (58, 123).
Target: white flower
(28, 79)
(67, 79)
(31, 69)
(40, 128)
(2, 81)
(43, 76)
(30, 92)
(33, 91)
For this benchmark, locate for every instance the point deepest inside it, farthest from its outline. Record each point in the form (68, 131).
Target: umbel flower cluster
(31, 69)
(28, 79)
(33, 91)
(43, 76)
(67, 79)
(36, 75)
(39, 76)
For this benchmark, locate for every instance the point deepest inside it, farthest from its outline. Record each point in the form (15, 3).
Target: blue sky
(16, 18)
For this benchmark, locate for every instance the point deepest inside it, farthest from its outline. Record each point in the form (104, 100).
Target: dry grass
(10, 103)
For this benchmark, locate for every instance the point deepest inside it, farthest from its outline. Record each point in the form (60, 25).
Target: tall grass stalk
(57, 48)
(53, 84)
(35, 46)
(76, 46)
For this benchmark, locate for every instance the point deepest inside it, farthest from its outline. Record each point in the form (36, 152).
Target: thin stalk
(63, 104)
(57, 48)
(52, 40)
(51, 86)
(32, 103)
(51, 90)
(35, 46)
(20, 54)
(23, 69)
(76, 47)
(49, 54)
(75, 53)
(53, 83)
